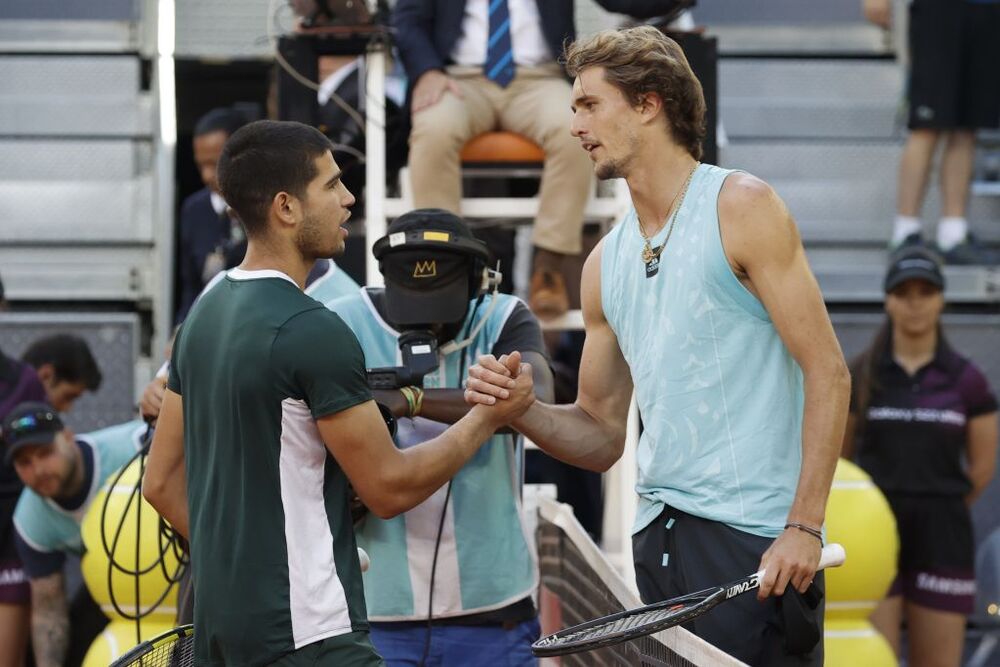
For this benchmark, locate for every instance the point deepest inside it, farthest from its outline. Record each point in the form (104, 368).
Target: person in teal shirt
(456, 573)
(62, 473)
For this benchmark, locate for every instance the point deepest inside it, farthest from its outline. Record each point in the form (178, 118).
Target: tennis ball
(849, 643)
(859, 517)
(118, 638)
(122, 509)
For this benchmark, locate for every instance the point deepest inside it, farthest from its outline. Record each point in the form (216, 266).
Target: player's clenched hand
(491, 378)
(505, 383)
(791, 559)
(519, 397)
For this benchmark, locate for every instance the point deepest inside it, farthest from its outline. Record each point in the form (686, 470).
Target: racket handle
(366, 561)
(833, 555)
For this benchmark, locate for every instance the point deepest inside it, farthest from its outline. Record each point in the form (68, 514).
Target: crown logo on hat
(426, 269)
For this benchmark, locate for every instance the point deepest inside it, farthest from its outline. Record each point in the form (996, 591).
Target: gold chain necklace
(648, 254)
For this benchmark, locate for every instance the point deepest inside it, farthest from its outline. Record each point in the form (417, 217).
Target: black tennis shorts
(936, 552)
(954, 65)
(679, 553)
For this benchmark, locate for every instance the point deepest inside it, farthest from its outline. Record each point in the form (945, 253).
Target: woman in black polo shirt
(923, 424)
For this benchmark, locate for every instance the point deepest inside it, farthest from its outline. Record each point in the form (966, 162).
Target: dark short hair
(220, 119)
(643, 60)
(264, 158)
(70, 357)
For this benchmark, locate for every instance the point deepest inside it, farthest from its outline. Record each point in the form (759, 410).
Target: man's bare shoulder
(752, 216)
(744, 194)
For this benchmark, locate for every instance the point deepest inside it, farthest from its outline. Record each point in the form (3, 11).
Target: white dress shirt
(526, 34)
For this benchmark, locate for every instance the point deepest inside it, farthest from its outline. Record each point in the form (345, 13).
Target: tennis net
(579, 584)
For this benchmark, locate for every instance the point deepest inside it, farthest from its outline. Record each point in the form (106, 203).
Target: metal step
(819, 159)
(96, 96)
(79, 159)
(831, 80)
(850, 283)
(68, 36)
(799, 39)
(755, 119)
(762, 97)
(78, 26)
(852, 184)
(75, 210)
(42, 272)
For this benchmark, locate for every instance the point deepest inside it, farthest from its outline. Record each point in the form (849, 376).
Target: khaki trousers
(536, 104)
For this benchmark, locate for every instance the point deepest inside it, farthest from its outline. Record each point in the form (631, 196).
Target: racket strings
(174, 648)
(618, 626)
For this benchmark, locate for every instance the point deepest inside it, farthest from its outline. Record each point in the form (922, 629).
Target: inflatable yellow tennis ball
(859, 517)
(853, 643)
(124, 502)
(118, 638)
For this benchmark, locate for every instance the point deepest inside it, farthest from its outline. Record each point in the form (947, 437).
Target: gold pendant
(647, 254)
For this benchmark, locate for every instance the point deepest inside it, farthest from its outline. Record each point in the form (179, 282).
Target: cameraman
(451, 580)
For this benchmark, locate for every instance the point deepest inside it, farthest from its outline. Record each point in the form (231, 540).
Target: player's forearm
(49, 630)
(569, 433)
(421, 470)
(827, 395)
(444, 405)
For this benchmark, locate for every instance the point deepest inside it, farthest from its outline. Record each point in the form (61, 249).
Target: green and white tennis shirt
(273, 548)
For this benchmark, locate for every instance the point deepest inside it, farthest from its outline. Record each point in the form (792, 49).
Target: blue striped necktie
(499, 66)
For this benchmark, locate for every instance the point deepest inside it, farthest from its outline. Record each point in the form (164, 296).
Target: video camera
(433, 266)
(420, 357)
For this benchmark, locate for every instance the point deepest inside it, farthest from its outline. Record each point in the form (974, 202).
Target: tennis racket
(633, 623)
(174, 648)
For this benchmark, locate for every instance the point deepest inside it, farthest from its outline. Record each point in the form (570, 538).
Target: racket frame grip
(833, 555)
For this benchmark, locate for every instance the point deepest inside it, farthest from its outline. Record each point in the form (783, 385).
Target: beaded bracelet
(806, 529)
(414, 400)
(407, 393)
(418, 400)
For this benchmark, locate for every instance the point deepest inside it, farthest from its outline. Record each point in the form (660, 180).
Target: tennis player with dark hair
(702, 300)
(923, 424)
(268, 414)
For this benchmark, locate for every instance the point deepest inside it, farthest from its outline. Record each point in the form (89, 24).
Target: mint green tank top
(719, 394)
